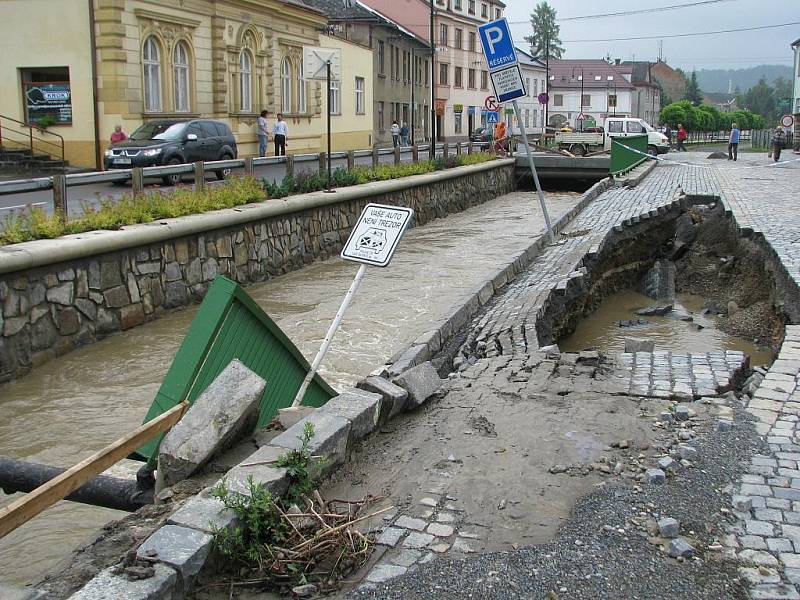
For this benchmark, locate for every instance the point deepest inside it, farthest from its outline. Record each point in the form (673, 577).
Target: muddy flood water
(601, 329)
(77, 404)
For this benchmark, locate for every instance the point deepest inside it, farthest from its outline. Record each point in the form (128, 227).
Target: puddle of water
(78, 403)
(600, 330)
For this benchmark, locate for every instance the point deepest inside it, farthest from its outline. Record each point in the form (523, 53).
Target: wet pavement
(436, 267)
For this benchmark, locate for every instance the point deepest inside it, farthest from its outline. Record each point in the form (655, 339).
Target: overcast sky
(725, 51)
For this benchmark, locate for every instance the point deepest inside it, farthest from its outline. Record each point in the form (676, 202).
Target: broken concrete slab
(261, 467)
(394, 397)
(107, 585)
(361, 408)
(633, 345)
(225, 411)
(291, 415)
(181, 548)
(204, 513)
(331, 434)
(421, 382)
(656, 310)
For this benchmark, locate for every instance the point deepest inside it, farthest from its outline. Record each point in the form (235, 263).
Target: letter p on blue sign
(498, 46)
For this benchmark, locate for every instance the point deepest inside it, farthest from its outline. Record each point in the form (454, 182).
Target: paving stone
(774, 591)
(461, 545)
(406, 558)
(183, 549)
(440, 530)
(444, 517)
(421, 382)
(384, 572)
(390, 536)
(758, 557)
(106, 586)
(410, 523)
(440, 547)
(780, 545)
(417, 540)
(759, 528)
(754, 542)
(203, 512)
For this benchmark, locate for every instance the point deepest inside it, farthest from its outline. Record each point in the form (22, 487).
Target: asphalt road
(93, 194)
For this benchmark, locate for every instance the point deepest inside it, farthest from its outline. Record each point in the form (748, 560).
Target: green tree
(761, 100)
(693, 92)
(545, 42)
(676, 113)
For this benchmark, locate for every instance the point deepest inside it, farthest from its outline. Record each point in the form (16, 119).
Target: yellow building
(221, 59)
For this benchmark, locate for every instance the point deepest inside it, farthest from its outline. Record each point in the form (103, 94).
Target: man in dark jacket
(778, 142)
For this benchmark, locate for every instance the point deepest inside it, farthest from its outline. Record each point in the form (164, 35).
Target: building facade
(646, 99)
(531, 110)
(400, 67)
(459, 70)
(584, 92)
(673, 82)
(221, 59)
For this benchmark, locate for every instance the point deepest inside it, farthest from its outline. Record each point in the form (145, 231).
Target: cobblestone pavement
(766, 537)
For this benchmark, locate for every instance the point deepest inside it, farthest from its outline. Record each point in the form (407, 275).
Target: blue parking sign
(492, 117)
(498, 46)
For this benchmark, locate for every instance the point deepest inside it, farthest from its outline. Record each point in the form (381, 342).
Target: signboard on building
(470, 110)
(315, 63)
(440, 105)
(48, 100)
(458, 108)
(377, 233)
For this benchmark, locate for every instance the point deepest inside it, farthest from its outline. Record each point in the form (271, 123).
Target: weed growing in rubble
(297, 463)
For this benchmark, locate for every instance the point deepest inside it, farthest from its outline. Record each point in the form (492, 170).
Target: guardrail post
(351, 160)
(375, 158)
(445, 149)
(290, 165)
(199, 176)
(415, 153)
(470, 148)
(458, 148)
(248, 165)
(137, 181)
(60, 196)
(432, 149)
(397, 155)
(322, 159)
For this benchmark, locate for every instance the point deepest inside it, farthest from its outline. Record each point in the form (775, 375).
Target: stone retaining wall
(56, 295)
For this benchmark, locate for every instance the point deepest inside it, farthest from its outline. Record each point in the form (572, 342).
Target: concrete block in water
(108, 586)
(361, 408)
(413, 356)
(225, 411)
(659, 282)
(394, 397)
(421, 383)
(331, 434)
(633, 345)
(183, 549)
(260, 466)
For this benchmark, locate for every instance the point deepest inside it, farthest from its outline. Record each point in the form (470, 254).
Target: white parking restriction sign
(377, 233)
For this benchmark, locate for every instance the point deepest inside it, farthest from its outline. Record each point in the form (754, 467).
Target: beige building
(223, 59)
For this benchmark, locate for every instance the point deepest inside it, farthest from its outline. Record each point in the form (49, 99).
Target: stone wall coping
(38, 253)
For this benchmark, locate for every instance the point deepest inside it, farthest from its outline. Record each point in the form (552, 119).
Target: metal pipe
(109, 492)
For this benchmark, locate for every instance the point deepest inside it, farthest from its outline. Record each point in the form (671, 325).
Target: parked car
(581, 143)
(174, 142)
(481, 134)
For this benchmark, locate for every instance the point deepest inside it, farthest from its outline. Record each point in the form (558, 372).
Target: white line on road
(22, 205)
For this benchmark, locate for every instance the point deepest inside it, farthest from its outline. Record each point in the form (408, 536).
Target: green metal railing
(228, 325)
(627, 153)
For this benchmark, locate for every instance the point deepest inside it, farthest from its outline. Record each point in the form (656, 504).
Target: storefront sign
(458, 108)
(53, 100)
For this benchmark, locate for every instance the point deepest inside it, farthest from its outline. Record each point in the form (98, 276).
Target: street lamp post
(433, 84)
(580, 114)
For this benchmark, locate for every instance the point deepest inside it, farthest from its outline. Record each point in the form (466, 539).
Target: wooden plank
(24, 509)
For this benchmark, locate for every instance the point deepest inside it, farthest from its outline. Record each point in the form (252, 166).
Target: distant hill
(716, 80)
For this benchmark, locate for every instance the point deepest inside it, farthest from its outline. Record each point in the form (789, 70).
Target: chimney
(617, 61)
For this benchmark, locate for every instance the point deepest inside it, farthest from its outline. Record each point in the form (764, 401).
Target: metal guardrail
(60, 184)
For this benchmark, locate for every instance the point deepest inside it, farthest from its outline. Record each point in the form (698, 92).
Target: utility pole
(433, 85)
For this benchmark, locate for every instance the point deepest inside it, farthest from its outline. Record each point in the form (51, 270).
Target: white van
(581, 143)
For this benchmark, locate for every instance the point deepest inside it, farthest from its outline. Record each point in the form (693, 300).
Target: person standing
(118, 135)
(500, 137)
(682, 135)
(279, 133)
(395, 129)
(263, 133)
(404, 134)
(668, 133)
(778, 142)
(733, 142)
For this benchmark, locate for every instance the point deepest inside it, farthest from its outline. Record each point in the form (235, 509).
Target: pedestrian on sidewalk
(118, 135)
(263, 133)
(682, 135)
(668, 133)
(500, 138)
(404, 134)
(733, 142)
(778, 142)
(279, 133)
(395, 129)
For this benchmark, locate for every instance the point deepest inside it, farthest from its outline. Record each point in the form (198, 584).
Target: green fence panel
(228, 325)
(622, 158)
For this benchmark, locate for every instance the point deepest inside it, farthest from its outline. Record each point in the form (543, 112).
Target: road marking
(22, 205)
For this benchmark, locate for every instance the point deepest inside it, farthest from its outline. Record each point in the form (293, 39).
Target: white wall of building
(567, 102)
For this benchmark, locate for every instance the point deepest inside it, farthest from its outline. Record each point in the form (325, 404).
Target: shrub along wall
(59, 294)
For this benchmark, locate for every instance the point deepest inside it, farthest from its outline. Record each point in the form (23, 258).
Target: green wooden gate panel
(228, 325)
(622, 158)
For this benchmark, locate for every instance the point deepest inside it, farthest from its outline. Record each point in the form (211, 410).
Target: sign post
(498, 47)
(324, 64)
(372, 242)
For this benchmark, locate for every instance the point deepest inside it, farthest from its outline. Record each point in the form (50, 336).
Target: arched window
(286, 85)
(301, 90)
(245, 82)
(151, 59)
(180, 72)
